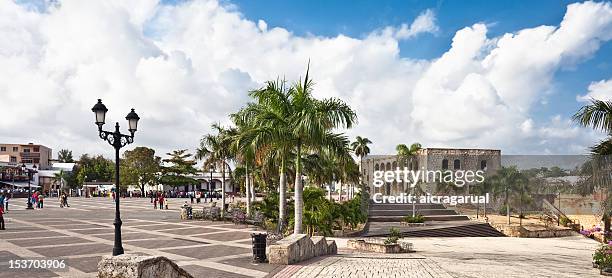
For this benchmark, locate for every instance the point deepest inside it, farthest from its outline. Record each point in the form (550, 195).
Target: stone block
(299, 247)
(132, 266)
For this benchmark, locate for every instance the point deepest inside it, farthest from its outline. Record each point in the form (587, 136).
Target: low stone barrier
(518, 231)
(299, 247)
(132, 266)
(379, 246)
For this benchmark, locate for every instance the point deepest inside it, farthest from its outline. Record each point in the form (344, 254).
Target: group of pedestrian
(37, 200)
(160, 199)
(63, 200)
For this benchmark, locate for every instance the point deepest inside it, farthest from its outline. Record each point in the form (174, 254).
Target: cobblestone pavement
(84, 232)
(372, 265)
(463, 258)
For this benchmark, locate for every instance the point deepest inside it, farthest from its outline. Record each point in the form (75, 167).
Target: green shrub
(391, 240)
(414, 219)
(395, 232)
(564, 221)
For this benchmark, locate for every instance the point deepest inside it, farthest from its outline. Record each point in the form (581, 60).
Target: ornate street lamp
(117, 140)
(210, 184)
(23, 169)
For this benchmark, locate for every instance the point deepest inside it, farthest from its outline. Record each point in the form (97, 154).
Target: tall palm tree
(361, 149)
(598, 115)
(267, 129)
(510, 182)
(291, 121)
(405, 154)
(60, 177)
(215, 149)
(312, 123)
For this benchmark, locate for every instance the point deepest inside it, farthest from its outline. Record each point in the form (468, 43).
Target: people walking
(155, 202)
(161, 201)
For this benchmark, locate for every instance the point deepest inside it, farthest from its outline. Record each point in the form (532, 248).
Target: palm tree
(267, 129)
(510, 182)
(598, 115)
(405, 154)
(361, 149)
(60, 177)
(215, 149)
(289, 121)
(312, 123)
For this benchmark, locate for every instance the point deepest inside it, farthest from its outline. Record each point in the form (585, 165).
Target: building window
(376, 168)
(13, 159)
(2, 149)
(26, 150)
(457, 164)
(445, 164)
(15, 149)
(483, 165)
(36, 149)
(36, 160)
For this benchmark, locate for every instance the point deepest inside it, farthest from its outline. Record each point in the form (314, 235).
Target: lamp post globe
(100, 110)
(132, 118)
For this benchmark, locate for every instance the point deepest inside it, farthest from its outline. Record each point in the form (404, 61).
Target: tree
(65, 156)
(267, 128)
(405, 154)
(140, 166)
(180, 168)
(361, 149)
(512, 183)
(312, 122)
(215, 149)
(598, 115)
(95, 168)
(60, 178)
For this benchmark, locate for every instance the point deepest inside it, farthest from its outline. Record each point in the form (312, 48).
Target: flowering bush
(603, 256)
(590, 232)
(239, 216)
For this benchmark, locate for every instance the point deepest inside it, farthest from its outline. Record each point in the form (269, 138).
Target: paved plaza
(83, 233)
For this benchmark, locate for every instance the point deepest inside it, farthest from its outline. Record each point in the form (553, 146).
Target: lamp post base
(29, 206)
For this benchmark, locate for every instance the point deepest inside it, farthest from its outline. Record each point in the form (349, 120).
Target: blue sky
(358, 18)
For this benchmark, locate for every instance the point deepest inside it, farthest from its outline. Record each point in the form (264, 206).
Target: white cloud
(424, 23)
(184, 67)
(601, 90)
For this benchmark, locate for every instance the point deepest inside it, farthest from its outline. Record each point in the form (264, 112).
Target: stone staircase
(395, 212)
(440, 222)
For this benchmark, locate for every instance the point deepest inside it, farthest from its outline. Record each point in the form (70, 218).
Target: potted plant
(602, 258)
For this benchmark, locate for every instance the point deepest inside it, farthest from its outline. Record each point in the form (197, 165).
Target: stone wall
(379, 246)
(132, 266)
(299, 247)
(518, 231)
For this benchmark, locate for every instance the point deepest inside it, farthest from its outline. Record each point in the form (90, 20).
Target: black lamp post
(212, 169)
(117, 140)
(30, 172)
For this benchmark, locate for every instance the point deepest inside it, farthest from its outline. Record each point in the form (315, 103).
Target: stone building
(427, 159)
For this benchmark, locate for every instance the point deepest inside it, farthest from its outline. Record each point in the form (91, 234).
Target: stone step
(374, 206)
(427, 218)
(464, 230)
(407, 212)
